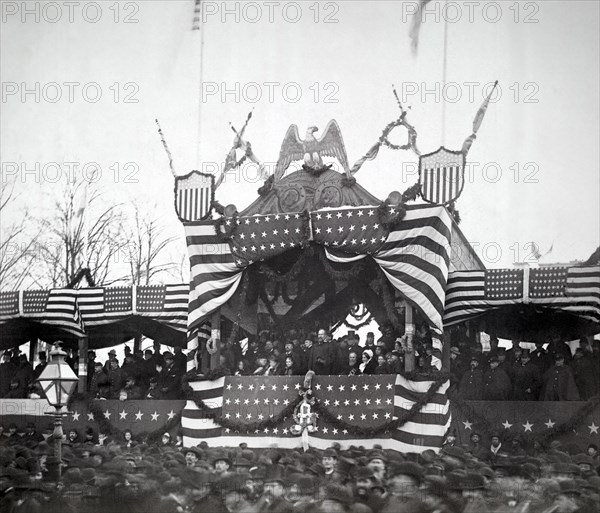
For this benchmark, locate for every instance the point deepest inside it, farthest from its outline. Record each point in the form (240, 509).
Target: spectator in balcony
(382, 366)
(168, 379)
(352, 367)
(153, 391)
(586, 374)
(16, 390)
(325, 354)
(98, 384)
(471, 383)
(559, 384)
(262, 364)
(180, 360)
(112, 355)
(274, 367)
(526, 379)
(40, 366)
(353, 345)
(291, 369)
(116, 379)
(510, 353)
(368, 364)
(242, 368)
(540, 358)
(496, 383)
(130, 391)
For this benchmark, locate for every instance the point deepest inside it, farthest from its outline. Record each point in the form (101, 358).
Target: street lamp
(58, 381)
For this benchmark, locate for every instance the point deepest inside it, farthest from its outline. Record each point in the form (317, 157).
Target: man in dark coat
(353, 346)
(40, 366)
(471, 384)
(496, 383)
(98, 385)
(540, 358)
(586, 374)
(526, 379)
(116, 379)
(325, 355)
(169, 380)
(559, 384)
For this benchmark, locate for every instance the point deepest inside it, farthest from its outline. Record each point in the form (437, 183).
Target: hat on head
(455, 350)
(376, 454)
(221, 457)
(363, 473)
(338, 493)
(525, 352)
(569, 487)
(168, 355)
(454, 452)
(330, 453)
(408, 468)
(112, 351)
(275, 474)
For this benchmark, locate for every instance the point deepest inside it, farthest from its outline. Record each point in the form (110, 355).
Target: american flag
(471, 293)
(414, 256)
(214, 273)
(361, 401)
(106, 305)
(261, 237)
(56, 307)
(441, 175)
(193, 196)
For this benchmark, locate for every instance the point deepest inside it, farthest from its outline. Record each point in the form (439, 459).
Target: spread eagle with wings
(312, 149)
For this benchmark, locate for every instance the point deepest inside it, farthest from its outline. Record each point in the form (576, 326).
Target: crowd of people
(121, 474)
(549, 372)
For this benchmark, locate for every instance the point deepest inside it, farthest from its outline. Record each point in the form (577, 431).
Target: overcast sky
(534, 172)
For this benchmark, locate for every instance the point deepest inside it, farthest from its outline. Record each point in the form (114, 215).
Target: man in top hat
(526, 379)
(559, 384)
(273, 497)
(496, 383)
(40, 366)
(169, 382)
(471, 383)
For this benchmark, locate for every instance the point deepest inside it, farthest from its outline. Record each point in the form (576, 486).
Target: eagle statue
(312, 149)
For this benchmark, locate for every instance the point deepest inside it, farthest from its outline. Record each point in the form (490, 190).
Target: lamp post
(58, 381)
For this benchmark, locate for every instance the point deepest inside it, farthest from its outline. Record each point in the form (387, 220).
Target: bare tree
(83, 233)
(146, 248)
(17, 241)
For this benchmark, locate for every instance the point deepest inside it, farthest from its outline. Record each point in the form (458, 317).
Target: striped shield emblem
(194, 194)
(442, 175)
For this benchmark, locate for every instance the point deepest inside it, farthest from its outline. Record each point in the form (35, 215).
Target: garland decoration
(106, 427)
(389, 426)
(269, 423)
(487, 428)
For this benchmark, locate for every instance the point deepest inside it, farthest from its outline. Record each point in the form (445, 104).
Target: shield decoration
(194, 194)
(442, 175)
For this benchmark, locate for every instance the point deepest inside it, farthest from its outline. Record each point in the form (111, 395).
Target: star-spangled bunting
(262, 237)
(352, 230)
(367, 402)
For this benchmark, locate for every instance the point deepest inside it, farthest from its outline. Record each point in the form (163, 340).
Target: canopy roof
(107, 315)
(527, 303)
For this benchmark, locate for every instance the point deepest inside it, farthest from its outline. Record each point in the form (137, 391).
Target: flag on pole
(197, 13)
(478, 120)
(415, 28)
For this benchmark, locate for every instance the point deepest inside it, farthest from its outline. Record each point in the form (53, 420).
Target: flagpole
(199, 25)
(444, 76)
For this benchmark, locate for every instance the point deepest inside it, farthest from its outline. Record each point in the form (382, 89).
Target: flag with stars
(139, 416)
(574, 290)
(364, 402)
(529, 420)
(55, 307)
(261, 237)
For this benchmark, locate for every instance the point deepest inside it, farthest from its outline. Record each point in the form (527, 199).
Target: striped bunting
(574, 290)
(362, 401)
(195, 340)
(415, 259)
(214, 274)
(578, 290)
(57, 307)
